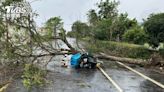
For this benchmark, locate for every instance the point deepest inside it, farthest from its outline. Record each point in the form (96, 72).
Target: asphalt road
(84, 80)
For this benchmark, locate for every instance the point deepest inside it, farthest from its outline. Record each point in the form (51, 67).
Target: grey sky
(72, 10)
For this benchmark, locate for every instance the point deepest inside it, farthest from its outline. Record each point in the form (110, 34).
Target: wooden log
(124, 60)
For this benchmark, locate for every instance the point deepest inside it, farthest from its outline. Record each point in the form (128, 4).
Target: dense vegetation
(154, 27)
(120, 49)
(106, 24)
(18, 37)
(135, 35)
(20, 42)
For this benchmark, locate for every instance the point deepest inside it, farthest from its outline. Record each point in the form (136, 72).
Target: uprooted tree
(21, 44)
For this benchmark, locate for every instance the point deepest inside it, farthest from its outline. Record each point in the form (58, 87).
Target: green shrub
(135, 35)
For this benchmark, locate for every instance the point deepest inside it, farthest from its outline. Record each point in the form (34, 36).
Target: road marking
(110, 79)
(142, 75)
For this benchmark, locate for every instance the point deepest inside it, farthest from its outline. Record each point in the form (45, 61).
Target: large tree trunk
(124, 60)
(68, 44)
(64, 39)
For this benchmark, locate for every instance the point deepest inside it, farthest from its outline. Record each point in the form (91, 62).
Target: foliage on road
(20, 41)
(33, 76)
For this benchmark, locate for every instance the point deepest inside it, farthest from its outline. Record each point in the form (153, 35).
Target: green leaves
(154, 26)
(93, 17)
(107, 24)
(33, 76)
(80, 29)
(108, 9)
(135, 35)
(53, 26)
(102, 30)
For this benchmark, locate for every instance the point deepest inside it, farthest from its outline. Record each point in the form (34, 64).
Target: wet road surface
(84, 80)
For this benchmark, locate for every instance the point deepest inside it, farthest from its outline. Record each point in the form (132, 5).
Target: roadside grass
(120, 49)
(123, 49)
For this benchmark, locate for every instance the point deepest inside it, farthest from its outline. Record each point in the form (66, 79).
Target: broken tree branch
(42, 55)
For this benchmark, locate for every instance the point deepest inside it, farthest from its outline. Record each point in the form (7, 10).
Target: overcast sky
(72, 10)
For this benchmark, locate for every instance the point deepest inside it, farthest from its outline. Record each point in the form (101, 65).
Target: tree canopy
(108, 9)
(154, 27)
(93, 17)
(107, 24)
(53, 25)
(135, 35)
(81, 29)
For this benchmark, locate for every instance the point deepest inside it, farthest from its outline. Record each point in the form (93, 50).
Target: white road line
(110, 79)
(142, 75)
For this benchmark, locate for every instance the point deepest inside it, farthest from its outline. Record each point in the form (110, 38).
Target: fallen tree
(124, 60)
(21, 42)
